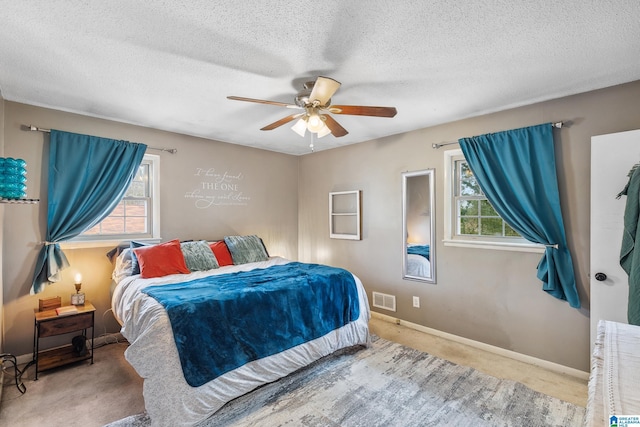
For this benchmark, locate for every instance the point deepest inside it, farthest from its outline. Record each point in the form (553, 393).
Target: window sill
(499, 246)
(86, 244)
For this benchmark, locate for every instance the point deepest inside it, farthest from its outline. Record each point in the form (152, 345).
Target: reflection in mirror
(418, 226)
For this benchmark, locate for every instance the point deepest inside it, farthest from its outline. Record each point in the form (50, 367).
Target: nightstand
(48, 324)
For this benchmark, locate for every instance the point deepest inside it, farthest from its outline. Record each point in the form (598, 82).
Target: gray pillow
(198, 256)
(246, 249)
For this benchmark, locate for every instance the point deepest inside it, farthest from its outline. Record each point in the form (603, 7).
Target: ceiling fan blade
(323, 90)
(336, 129)
(362, 110)
(262, 101)
(281, 122)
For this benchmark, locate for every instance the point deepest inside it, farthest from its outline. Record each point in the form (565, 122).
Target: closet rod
(557, 125)
(37, 129)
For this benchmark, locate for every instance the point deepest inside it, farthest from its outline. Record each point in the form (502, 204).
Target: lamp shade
(300, 127)
(324, 131)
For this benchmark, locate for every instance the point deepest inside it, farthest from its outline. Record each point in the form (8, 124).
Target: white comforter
(417, 265)
(169, 400)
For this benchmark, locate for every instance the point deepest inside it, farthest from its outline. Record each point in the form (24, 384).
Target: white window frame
(450, 223)
(153, 160)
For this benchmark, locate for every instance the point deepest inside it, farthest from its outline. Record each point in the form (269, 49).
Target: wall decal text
(216, 188)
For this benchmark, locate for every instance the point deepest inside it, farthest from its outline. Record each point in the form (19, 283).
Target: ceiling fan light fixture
(300, 127)
(315, 123)
(324, 131)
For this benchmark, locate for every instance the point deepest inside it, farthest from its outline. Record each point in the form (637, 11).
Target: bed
(418, 262)
(172, 396)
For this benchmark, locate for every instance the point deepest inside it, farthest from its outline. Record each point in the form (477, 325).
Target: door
(612, 157)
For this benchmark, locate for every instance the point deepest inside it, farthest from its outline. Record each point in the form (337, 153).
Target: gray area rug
(389, 384)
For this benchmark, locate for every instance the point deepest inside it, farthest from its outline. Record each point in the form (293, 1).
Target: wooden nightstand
(48, 324)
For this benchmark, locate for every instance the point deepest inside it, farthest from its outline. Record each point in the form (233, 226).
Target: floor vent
(388, 302)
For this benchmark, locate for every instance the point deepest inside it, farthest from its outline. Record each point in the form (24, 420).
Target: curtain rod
(37, 129)
(556, 125)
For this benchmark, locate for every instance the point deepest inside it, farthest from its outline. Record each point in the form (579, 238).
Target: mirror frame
(432, 253)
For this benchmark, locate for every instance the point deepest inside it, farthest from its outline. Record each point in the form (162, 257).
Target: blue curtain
(88, 176)
(516, 170)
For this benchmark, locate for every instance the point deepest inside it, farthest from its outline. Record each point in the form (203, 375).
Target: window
(137, 214)
(470, 220)
(473, 213)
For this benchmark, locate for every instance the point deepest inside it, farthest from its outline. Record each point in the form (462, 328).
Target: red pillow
(221, 251)
(161, 260)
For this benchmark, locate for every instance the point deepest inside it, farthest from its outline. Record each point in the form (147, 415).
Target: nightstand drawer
(63, 325)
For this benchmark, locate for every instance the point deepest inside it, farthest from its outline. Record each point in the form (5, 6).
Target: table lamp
(78, 297)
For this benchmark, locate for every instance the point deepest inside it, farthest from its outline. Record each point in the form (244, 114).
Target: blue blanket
(419, 250)
(223, 322)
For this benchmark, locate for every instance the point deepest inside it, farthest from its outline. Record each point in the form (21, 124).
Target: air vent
(388, 302)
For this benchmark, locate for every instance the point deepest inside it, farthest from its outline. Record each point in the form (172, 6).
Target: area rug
(389, 384)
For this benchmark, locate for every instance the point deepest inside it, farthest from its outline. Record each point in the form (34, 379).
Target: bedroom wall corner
(507, 310)
(259, 197)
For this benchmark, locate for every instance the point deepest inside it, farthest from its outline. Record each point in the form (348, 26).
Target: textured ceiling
(170, 64)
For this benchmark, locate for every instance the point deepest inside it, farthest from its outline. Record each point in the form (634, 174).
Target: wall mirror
(418, 226)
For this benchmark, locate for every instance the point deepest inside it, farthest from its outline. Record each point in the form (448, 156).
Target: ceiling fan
(315, 100)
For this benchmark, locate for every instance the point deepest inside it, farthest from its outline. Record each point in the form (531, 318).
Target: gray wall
(1, 227)
(485, 295)
(269, 180)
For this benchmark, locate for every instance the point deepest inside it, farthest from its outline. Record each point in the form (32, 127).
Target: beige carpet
(94, 395)
(389, 385)
(80, 395)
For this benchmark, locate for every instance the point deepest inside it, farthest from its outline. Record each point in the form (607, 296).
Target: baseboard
(555, 367)
(97, 342)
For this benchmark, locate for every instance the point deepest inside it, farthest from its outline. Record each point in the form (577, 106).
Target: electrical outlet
(416, 302)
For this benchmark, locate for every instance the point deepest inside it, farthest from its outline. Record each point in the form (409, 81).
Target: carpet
(389, 384)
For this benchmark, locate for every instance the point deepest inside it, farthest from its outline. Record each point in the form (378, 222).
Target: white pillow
(124, 266)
